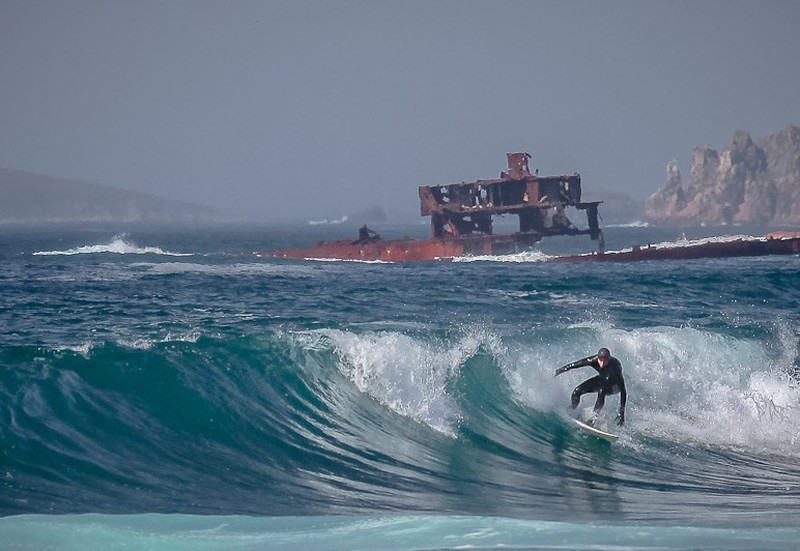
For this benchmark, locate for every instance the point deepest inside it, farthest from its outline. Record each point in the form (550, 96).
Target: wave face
(221, 383)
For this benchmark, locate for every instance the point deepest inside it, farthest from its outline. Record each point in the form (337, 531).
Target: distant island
(30, 198)
(749, 182)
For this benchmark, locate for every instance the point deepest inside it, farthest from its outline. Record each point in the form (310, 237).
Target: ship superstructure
(467, 210)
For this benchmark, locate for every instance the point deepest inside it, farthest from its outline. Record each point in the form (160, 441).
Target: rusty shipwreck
(463, 224)
(462, 219)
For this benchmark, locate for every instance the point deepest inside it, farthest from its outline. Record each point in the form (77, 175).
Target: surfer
(608, 381)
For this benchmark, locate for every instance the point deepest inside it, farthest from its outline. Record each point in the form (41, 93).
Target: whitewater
(179, 389)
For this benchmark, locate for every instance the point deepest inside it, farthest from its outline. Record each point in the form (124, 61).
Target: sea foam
(119, 244)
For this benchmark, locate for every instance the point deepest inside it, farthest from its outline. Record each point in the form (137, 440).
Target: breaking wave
(119, 244)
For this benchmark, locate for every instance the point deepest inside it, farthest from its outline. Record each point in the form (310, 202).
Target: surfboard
(596, 432)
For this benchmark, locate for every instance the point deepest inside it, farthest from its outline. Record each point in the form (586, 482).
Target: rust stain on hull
(403, 250)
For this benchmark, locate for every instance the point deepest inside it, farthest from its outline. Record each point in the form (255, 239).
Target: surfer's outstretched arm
(583, 362)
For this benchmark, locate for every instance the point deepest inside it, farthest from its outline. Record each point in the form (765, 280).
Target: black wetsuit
(608, 381)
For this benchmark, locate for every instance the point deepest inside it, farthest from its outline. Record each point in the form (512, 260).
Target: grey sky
(316, 109)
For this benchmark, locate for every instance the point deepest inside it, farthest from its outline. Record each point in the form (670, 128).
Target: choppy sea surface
(170, 389)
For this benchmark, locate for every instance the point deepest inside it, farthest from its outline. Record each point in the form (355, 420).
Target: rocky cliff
(748, 182)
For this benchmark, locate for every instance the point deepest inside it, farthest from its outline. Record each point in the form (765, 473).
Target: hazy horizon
(320, 109)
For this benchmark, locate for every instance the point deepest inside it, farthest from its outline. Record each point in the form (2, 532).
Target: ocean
(169, 389)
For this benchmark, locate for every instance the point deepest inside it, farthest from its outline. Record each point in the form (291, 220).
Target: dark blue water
(338, 405)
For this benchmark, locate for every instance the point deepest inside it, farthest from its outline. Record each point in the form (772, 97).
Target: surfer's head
(603, 355)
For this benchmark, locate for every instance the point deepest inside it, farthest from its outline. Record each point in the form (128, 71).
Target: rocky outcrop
(747, 182)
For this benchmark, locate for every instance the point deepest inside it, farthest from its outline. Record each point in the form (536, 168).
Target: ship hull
(769, 245)
(403, 250)
(406, 250)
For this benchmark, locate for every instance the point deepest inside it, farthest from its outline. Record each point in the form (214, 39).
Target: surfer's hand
(559, 371)
(621, 419)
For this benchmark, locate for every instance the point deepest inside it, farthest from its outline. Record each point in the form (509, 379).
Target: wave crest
(119, 244)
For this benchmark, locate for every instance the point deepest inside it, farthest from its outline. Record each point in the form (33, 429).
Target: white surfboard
(596, 432)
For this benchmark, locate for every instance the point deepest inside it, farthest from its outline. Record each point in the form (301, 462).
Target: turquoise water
(169, 389)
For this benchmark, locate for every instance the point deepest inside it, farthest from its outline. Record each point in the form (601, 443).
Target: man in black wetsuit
(608, 381)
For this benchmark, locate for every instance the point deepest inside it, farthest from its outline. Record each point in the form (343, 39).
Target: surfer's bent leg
(589, 385)
(602, 392)
(601, 400)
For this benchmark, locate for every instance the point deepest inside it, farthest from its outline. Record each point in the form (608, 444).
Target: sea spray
(119, 244)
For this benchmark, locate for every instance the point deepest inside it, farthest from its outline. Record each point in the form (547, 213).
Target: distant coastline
(30, 198)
